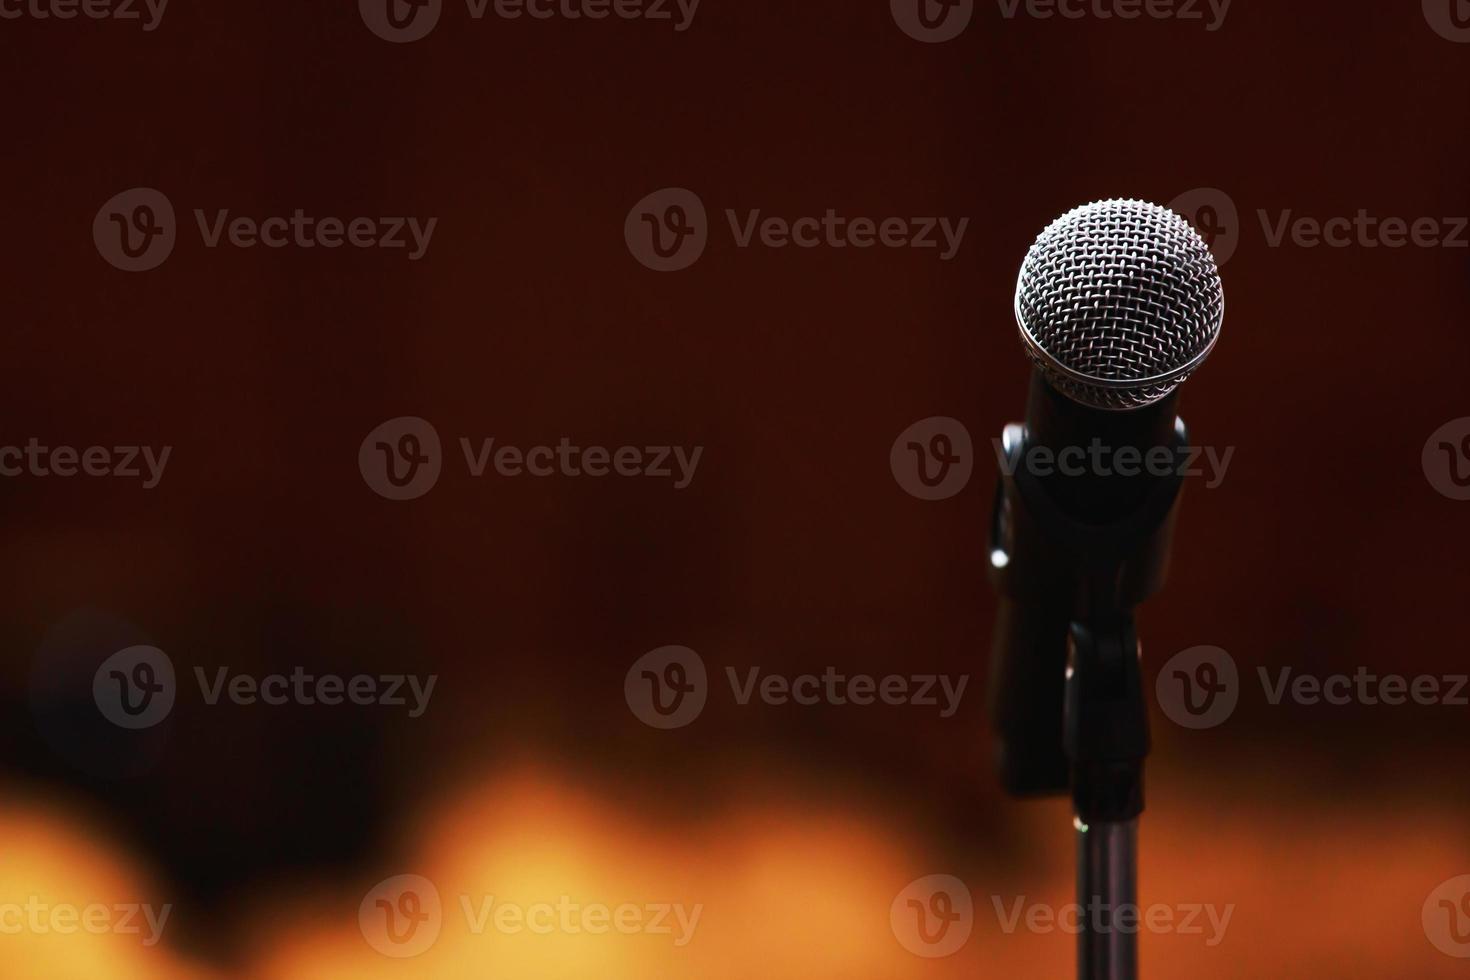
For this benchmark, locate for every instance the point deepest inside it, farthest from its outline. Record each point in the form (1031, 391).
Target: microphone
(1118, 303)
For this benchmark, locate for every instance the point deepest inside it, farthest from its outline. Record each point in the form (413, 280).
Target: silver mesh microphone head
(1118, 302)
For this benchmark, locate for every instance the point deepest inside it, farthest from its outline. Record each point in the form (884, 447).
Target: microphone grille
(1118, 302)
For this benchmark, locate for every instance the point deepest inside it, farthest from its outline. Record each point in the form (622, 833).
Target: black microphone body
(1073, 541)
(1117, 303)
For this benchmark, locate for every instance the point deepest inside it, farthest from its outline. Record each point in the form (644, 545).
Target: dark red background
(1325, 548)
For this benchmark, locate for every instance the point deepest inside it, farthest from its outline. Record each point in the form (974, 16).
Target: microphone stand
(1107, 740)
(1071, 561)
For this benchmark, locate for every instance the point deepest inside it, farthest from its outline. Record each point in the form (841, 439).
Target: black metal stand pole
(1071, 559)
(1107, 874)
(1107, 740)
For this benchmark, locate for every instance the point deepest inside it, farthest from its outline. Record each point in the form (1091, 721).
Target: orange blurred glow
(798, 892)
(783, 891)
(53, 863)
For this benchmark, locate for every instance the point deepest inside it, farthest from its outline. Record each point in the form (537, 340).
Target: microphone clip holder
(1058, 571)
(1106, 722)
(1067, 691)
